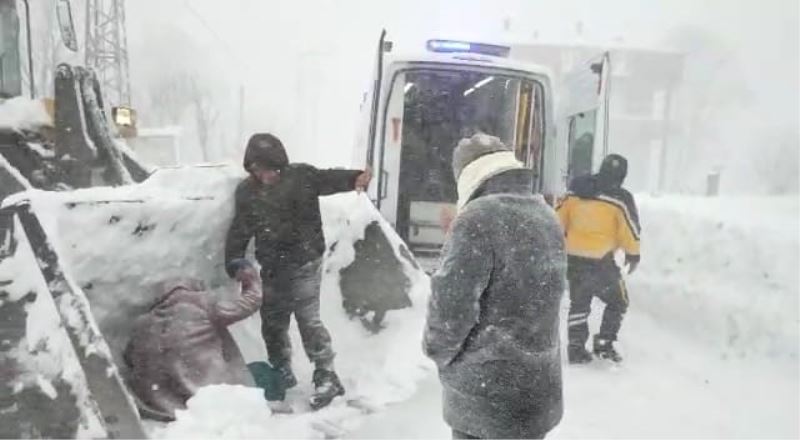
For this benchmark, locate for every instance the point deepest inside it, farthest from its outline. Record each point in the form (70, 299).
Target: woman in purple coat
(182, 343)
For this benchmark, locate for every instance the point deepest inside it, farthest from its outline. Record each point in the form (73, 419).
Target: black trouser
(295, 292)
(589, 278)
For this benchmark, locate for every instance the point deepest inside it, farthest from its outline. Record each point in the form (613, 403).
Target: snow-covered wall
(722, 271)
(118, 244)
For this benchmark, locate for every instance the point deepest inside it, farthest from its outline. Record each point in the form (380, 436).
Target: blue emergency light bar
(453, 46)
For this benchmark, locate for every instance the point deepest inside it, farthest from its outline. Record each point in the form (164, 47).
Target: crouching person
(493, 317)
(182, 343)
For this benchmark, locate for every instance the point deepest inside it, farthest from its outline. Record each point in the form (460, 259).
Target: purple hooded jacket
(182, 343)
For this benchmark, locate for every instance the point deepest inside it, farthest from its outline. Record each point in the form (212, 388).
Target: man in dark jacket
(278, 204)
(492, 325)
(599, 217)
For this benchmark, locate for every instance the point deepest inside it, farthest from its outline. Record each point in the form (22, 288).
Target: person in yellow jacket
(599, 217)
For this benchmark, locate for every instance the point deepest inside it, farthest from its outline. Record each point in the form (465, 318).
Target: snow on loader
(75, 150)
(77, 267)
(63, 140)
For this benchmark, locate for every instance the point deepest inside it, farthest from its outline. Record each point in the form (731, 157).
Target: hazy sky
(274, 48)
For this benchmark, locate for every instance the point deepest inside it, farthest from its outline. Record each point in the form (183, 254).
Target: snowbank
(722, 271)
(711, 337)
(23, 113)
(120, 244)
(233, 411)
(710, 340)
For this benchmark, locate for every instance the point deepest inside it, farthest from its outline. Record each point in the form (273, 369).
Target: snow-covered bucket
(118, 245)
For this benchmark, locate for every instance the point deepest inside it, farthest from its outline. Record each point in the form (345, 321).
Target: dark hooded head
(266, 151)
(612, 171)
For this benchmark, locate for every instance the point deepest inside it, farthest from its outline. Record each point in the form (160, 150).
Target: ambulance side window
(581, 144)
(529, 132)
(537, 136)
(524, 120)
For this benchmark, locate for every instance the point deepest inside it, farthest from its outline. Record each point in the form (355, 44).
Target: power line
(229, 49)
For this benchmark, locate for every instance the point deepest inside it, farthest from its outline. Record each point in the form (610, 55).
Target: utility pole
(107, 48)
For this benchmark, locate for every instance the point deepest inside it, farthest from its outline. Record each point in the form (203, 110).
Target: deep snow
(711, 339)
(711, 342)
(119, 244)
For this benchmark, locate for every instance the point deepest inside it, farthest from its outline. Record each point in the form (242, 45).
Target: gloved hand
(632, 261)
(242, 270)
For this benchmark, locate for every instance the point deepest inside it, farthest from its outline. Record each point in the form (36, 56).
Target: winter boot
(604, 349)
(269, 379)
(289, 379)
(326, 388)
(578, 354)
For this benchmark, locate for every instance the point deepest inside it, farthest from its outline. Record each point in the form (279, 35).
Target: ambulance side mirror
(67, 25)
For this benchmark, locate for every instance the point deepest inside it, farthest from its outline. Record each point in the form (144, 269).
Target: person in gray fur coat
(493, 317)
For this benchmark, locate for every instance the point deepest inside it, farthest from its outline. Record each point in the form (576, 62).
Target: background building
(644, 105)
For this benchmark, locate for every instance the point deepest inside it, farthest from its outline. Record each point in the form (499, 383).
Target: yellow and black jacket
(597, 221)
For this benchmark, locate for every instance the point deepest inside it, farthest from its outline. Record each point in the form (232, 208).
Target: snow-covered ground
(711, 344)
(711, 339)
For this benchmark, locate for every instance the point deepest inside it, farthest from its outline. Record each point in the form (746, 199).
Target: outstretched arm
(226, 312)
(336, 181)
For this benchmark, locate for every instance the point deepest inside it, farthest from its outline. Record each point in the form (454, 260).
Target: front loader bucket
(378, 271)
(375, 282)
(59, 379)
(112, 249)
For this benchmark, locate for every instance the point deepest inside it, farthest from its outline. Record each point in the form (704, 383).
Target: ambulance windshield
(439, 108)
(442, 107)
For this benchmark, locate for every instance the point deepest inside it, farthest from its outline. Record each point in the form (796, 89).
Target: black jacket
(284, 218)
(493, 317)
(592, 187)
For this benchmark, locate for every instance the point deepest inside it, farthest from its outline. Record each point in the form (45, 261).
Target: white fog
(499, 219)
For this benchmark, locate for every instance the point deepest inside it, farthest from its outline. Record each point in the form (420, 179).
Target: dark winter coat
(182, 343)
(284, 218)
(492, 326)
